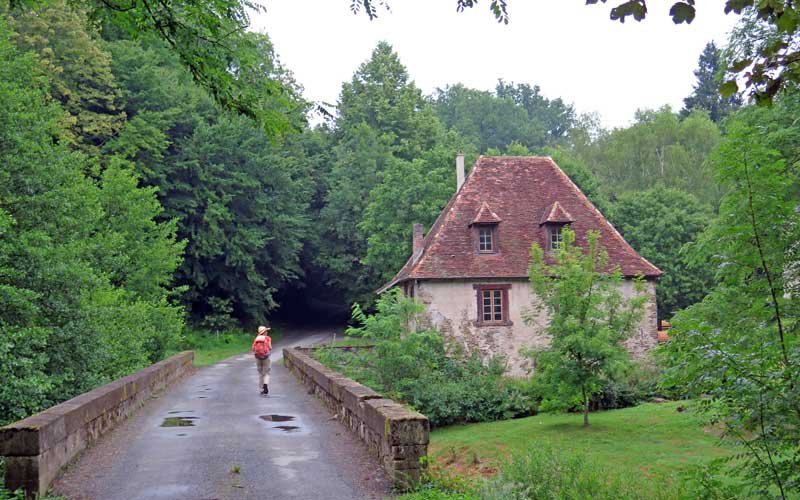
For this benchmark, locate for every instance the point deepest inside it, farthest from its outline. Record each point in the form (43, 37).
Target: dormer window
(484, 229)
(486, 239)
(553, 220)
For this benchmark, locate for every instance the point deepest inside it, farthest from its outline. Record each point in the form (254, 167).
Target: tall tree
(242, 204)
(554, 116)
(241, 199)
(79, 68)
(589, 319)
(660, 223)
(739, 348)
(81, 260)
(383, 121)
(657, 149)
(706, 90)
(382, 96)
(484, 119)
(513, 113)
(360, 160)
(409, 192)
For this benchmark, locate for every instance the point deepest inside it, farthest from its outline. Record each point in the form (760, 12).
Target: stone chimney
(459, 170)
(416, 239)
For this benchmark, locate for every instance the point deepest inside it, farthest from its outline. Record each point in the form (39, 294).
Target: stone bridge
(173, 432)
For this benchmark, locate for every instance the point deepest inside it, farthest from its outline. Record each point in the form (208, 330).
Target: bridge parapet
(398, 436)
(36, 448)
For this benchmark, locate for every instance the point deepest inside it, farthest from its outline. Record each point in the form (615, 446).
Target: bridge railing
(36, 448)
(398, 436)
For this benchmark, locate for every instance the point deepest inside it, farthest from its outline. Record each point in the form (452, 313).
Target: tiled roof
(520, 189)
(555, 213)
(486, 216)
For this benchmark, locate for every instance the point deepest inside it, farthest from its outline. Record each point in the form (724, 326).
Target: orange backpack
(261, 347)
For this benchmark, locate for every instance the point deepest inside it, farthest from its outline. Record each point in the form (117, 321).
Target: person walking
(262, 346)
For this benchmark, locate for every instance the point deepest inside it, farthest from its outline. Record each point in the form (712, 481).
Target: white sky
(571, 50)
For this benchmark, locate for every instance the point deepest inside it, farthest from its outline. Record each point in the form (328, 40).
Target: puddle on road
(173, 412)
(287, 428)
(182, 434)
(202, 397)
(277, 418)
(285, 461)
(178, 422)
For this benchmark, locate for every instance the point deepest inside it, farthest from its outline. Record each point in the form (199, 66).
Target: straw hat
(263, 329)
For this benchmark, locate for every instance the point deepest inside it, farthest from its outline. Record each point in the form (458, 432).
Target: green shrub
(421, 369)
(466, 390)
(11, 495)
(639, 384)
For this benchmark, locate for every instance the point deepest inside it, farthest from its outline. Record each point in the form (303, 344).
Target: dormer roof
(520, 189)
(485, 216)
(555, 214)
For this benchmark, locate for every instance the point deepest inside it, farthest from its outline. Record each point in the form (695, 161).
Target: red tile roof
(520, 189)
(555, 213)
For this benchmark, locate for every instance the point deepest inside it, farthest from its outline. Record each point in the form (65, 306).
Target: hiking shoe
(266, 389)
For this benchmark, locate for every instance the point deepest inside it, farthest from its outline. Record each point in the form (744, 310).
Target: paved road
(232, 450)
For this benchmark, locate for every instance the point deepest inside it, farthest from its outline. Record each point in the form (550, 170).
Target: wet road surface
(212, 436)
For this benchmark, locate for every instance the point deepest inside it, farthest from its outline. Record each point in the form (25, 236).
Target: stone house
(471, 269)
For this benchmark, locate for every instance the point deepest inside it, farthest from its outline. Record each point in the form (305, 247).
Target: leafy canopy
(86, 264)
(661, 224)
(385, 129)
(658, 149)
(210, 39)
(513, 113)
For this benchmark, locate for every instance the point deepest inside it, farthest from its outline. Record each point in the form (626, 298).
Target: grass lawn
(654, 440)
(344, 341)
(210, 348)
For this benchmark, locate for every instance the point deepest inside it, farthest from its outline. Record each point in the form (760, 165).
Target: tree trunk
(585, 408)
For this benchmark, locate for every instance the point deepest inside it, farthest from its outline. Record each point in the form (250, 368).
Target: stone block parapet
(397, 436)
(37, 447)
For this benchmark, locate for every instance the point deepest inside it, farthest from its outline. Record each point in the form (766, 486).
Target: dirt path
(230, 443)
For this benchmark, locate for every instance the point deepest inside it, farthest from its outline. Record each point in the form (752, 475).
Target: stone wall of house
(646, 336)
(452, 309)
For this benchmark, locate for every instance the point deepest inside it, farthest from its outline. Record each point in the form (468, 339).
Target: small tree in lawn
(588, 320)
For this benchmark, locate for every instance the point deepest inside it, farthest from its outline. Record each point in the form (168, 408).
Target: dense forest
(132, 204)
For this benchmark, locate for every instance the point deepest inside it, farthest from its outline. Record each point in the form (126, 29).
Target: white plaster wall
(646, 335)
(452, 309)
